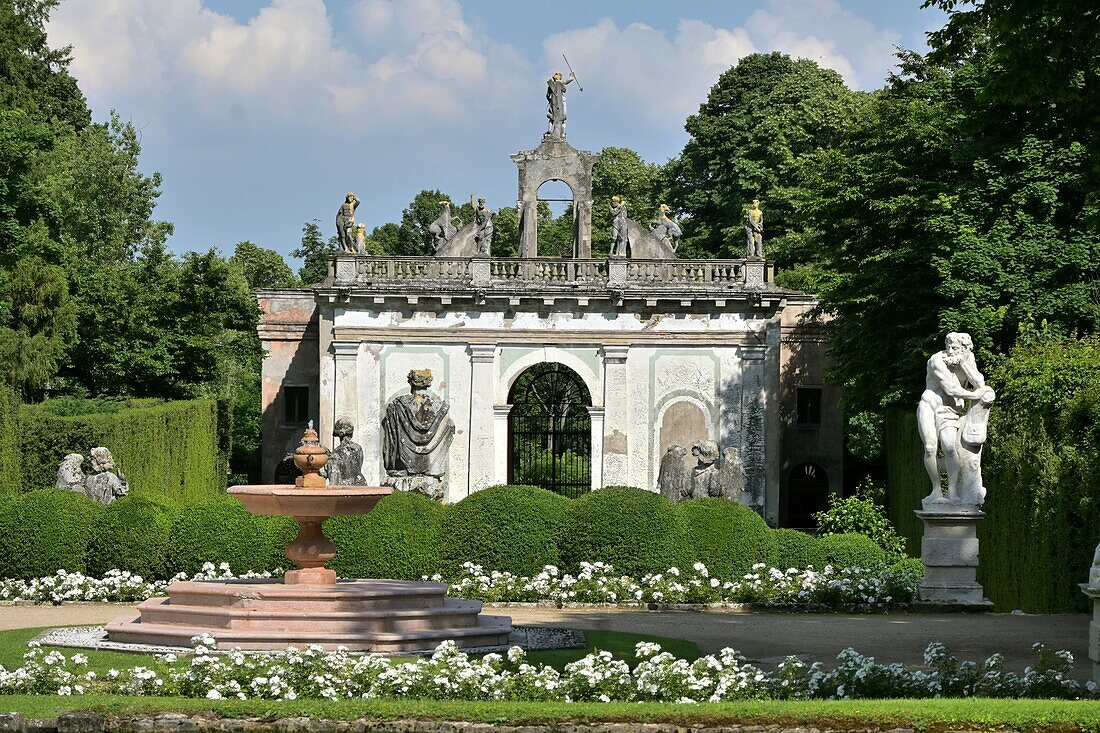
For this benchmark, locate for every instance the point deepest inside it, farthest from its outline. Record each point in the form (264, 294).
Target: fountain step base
(367, 615)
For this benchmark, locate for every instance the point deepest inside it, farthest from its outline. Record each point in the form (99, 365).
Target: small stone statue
(754, 232)
(444, 228)
(70, 474)
(666, 230)
(705, 480)
(619, 218)
(673, 480)
(483, 217)
(416, 438)
(345, 464)
(555, 104)
(360, 239)
(952, 416)
(345, 223)
(106, 483)
(731, 477)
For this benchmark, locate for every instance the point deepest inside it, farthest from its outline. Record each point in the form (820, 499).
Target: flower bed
(453, 675)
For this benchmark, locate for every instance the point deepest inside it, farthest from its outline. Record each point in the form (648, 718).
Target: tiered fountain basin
(309, 605)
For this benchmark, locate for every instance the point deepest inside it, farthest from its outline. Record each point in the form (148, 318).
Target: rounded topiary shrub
(635, 530)
(794, 549)
(851, 551)
(132, 535)
(398, 539)
(512, 528)
(219, 529)
(44, 531)
(726, 536)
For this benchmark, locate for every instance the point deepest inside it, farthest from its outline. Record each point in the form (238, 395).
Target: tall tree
(315, 253)
(747, 141)
(263, 268)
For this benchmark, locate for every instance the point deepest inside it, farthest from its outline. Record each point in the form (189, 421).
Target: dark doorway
(807, 494)
(550, 431)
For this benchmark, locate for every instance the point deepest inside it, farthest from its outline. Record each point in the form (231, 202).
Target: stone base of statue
(432, 487)
(1092, 590)
(949, 551)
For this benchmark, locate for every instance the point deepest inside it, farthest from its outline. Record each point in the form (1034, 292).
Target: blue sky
(261, 114)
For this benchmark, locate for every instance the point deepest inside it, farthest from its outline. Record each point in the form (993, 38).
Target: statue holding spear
(555, 101)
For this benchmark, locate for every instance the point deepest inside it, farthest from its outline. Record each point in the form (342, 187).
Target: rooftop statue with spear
(555, 101)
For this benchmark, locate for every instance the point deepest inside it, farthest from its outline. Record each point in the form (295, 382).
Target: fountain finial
(310, 458)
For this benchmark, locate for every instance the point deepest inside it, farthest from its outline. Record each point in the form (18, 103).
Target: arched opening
(807, 494)
(556, 218)
(550, 430)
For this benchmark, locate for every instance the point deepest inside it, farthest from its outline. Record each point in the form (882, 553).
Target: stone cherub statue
(555, 104)
(666, 230)
(754, 232)
(619, 218)
(952, 416)
(70, 474)
(416, 437)
(443, 229)
(107, 482)
(345, 223)
(483, 217)
(673, 480)
(705, 478)
(345, 463)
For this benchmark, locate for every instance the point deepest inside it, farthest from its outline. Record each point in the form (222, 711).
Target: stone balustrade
(367, 272)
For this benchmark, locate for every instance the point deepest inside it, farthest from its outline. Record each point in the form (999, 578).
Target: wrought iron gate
(550, 431)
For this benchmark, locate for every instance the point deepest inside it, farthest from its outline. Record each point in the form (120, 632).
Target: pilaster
(345, 393)
(483, 454)
(615, 441)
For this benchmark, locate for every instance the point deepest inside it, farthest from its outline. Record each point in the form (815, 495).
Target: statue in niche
(416, 438)
(666, 230)
(107, 482)
(70, 474)
(952, 417)
(345, 463)
(360, 239)
(555, 104)
(705, 479)
(731, 477)
(345, 223)
(483, 217)
(619, 219)
(444, 228)
(673, 480)
(754, 232)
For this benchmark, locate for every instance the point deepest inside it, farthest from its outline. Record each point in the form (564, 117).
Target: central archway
(550, 430)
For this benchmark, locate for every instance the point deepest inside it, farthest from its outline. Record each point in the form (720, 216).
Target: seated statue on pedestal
(345, 464)
(416, 438)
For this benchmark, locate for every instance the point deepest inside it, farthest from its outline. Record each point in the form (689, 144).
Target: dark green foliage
(219, 529)
(635, 530)
(514, 528)
(10, 460)
(314, 252)
(263, 268)
(45, 531)
(851, 551)
(399, 539)
(794, 549)
(906, 480)
(168, 448)
(861, 514)
(133, 534)
(726, 536)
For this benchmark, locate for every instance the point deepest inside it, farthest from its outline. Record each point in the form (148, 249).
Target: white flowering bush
(450, 674)
(599, 583)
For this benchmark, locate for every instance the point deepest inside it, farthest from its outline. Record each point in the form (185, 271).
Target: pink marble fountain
(309, 605)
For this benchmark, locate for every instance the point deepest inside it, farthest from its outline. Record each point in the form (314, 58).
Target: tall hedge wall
(1039, 469)
(906, 480)
(169, 448)
(10, 477)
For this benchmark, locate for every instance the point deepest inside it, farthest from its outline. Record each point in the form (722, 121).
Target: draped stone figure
(555, 104)
(107, 482)
(731, 477)
(417, 431)
(952, 417)
(705, 480)
(483, 217)
(345, 464)
(345, 223)
(673, 480)
(619, 218)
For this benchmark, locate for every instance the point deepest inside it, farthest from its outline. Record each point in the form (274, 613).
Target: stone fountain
(309, 605)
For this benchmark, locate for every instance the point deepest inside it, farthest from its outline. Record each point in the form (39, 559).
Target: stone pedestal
(949, 551)
(430, 486)
(1092, 590)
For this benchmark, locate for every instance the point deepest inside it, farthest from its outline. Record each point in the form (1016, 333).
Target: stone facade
(671, 352)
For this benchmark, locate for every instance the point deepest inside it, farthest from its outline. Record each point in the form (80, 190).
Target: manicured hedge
(133, 534)
(219, 529)
(728, 537)
(398, 539)
(163, 448)
(851, 551)
(42, 532)
(794, 549)
(10, 474)
(513, 528)
(635, 530)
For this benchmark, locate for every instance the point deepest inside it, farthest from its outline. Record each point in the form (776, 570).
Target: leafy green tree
(747, 140)
(622, 172)
(263, 268)
(315, 253)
